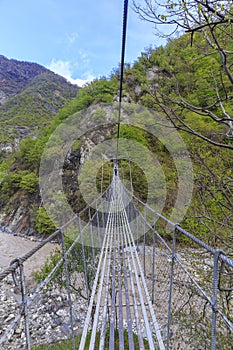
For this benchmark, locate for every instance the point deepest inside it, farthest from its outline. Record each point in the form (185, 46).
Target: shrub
(29, 182)
(44, 225)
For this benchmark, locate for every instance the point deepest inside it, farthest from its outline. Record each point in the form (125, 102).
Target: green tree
(98, 91)
(11, 183)
(44, 224)
(209, 25)
(29, 182)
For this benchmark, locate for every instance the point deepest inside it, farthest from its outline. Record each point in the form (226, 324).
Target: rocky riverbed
(49, 315)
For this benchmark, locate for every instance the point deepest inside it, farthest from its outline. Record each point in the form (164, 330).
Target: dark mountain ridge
(30, 96)
(15, 75)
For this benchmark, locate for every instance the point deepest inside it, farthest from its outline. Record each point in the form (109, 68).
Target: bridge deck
(120, 296)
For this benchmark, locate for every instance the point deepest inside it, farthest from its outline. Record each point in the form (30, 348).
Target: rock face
(49, 316)
(18, 219)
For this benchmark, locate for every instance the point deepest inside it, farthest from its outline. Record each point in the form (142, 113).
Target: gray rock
(18, 331)
(49, 316)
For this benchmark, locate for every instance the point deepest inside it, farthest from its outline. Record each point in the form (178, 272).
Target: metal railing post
(19, 264)
(103, 214)
(64, 255)
(214, 299)
(98, 225)
(91, 233)
(24, 303)
(153, 263)
(84, 264)
(85, 270)
(144, 243)
(171, 285)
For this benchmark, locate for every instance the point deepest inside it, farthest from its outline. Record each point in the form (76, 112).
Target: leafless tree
(212, 22)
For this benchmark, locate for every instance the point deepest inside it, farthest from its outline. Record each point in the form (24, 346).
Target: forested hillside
(30, 97)
(183, 81)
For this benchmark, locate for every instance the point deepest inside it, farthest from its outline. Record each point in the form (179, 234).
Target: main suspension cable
(125, 16)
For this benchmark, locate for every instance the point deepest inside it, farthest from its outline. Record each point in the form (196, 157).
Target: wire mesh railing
(191, 285)
(55, 308)
(144, 290)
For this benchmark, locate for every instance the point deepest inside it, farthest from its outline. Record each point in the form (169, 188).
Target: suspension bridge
(140, 291)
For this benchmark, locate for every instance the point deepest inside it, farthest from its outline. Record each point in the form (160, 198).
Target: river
(12, 246)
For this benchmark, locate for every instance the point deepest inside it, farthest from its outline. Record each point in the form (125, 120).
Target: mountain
(30, 96)
(15, 76)
(174, 81)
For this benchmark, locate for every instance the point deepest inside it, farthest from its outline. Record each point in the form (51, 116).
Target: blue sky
(79, 39)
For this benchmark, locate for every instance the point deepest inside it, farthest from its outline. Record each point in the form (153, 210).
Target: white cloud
(64, 68)
(72, 37)
(83, 56)
(60, 67)
(80, 82)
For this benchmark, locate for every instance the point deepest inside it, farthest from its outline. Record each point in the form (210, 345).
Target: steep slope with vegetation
(20, 200)
(15, 76)
(30, 97)
(191, 82)
(172, 80)
(206, 87)
(156, 80)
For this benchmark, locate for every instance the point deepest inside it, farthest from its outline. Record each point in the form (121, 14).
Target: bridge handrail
(222, 255)
(55, 234)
